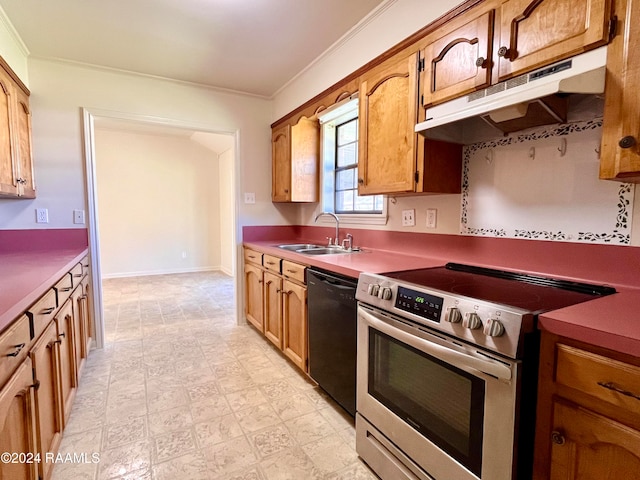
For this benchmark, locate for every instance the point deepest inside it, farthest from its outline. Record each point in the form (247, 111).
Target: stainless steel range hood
(522, 101)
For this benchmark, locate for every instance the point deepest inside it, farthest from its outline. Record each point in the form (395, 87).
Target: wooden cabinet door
(305, 160)
(588, 446)
(459, 62)
(387, 118)
(24, 154)
(294, 323)
(45, 359)
(281, 164)
(534, 33)
(253, 278)
(273, 308)
(620, 149)
(82, 318)
(8, 173)
(65, 324)
(17, 423)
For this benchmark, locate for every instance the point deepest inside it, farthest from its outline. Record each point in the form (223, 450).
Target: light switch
(408, 218)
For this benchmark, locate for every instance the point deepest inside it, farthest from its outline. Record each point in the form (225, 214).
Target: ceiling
(250, 46)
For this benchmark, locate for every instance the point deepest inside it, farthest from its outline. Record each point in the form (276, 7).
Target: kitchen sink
(312, 249)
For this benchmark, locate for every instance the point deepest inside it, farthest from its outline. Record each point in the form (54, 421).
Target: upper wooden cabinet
(620, 152)
(387, 117)
(16, 164)
(392, 158)
(496, 41)
(295, 153)
(459, 61)
(534, 33)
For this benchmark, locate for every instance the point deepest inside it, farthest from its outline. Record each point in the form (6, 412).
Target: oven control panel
(421, 304)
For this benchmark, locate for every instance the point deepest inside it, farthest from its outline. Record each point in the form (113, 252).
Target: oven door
(449, 408)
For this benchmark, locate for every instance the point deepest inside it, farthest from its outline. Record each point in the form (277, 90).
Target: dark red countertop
(31, 262)
(611, 322)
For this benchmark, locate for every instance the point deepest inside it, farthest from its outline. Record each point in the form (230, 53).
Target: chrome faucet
(337, 239)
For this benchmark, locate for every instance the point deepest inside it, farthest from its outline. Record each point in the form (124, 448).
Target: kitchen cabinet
(18, 423)
(497, 41)
(45, 357)
(273, 308)
(295, 153)
(620, 152)
(392, 158)
(65, 327)
(588, 417)
(16, 163)
(281, 298)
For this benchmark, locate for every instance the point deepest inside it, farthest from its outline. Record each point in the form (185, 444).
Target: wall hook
(393, 200)
(563, 147)
(489, 156)
(532, 153)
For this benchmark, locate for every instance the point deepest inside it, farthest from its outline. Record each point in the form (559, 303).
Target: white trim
(89, 115)
(4, 19)
(149, 273)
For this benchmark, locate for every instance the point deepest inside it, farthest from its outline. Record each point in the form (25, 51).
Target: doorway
(143, 217)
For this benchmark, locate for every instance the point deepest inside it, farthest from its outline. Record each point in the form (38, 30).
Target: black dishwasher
(332, 335)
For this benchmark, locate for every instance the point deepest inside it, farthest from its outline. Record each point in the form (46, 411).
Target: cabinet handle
(62, 335)
(269, 282)
(506, 53)
(278, 290)
(291, 271)
(286, 190)
(480, 62)
(17, 351)
(36, 385)
(612, 386)
(287, 292)
(47, 311)
(360, 181)
(557, 438)
(77, 275)
(65, 289)
(627, 142)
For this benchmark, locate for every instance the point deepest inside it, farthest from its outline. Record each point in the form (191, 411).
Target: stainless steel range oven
(447, 370)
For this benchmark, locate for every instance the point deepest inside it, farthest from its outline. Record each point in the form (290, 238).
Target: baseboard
(163, 272)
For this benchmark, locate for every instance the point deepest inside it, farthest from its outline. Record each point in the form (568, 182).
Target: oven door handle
(446, 354)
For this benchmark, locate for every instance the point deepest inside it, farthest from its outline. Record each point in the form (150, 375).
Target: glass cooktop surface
(528, 292)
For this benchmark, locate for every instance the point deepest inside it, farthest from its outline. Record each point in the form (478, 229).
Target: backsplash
(543, 184)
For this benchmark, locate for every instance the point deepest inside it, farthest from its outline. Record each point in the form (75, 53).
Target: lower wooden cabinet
(45, 357)
(588, 418)
(18, 424)
(275, 293)
(65, 327)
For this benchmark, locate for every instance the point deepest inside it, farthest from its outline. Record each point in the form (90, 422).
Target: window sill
(350, 219)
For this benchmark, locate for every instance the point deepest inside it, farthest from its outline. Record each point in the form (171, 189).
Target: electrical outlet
(408, 218)
(42, 215)
(78, 217)
(432, 217)
(249, 197)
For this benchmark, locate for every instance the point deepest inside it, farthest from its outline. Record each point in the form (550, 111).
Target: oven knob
(373, 289)
(493, 328)
(385, 293)
(453, 315)
(472, 321)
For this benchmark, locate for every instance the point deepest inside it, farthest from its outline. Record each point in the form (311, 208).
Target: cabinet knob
(504, 52)
(557, 438)
(627, 142)
(286, 190)
(480, 62)
(360, 181)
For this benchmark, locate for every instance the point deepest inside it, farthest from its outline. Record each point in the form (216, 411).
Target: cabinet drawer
(76, 274)
(14, 346)
(63, 288)
(292, 270)
(252, 256)
(271, 262)
(609, 380)
(42, 312)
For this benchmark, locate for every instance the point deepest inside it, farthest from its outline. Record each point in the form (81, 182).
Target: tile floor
(181, 391)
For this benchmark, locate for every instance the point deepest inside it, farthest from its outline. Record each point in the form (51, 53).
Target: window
(340, 169)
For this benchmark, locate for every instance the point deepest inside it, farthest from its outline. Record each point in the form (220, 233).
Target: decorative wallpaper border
(620, 234)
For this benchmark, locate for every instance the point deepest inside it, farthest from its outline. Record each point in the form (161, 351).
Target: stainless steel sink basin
(294, 247)
(312, 249)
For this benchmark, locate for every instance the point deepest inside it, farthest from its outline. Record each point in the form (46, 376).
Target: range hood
(527, 100)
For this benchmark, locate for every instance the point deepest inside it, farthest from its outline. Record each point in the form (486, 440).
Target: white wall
(59, 91)
(227, 206)
(12, 49)
(158, 204)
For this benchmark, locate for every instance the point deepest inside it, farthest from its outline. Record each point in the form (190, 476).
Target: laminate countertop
(611, 322)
